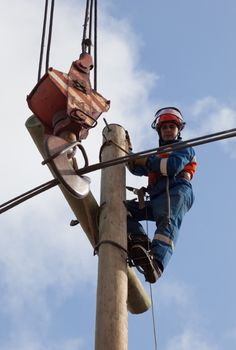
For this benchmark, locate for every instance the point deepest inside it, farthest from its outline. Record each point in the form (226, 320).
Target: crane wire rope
(90, 23)
(90, 10)
(41, 55)
(49, 36)
(95, 45)
(85, 41)
(91, 6)
(42, 39)
(131, 157)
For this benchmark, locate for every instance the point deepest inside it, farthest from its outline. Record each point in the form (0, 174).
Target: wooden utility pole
(119, 289)
(86, 211)
(112, 289)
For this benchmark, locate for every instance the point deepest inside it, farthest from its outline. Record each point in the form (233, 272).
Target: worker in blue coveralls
(170, 196)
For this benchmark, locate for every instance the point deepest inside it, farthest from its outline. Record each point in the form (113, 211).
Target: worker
(170, 196)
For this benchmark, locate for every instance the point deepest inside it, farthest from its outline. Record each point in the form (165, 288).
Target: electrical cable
(154, 151)
(158, 150)
(27, 195)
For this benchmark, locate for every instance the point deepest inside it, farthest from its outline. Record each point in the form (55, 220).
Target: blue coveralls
(156, 209)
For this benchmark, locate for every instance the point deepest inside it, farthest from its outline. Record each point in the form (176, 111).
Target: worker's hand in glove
(140, 161)
(137, 162)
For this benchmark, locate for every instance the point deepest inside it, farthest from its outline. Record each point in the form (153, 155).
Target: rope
(150, 287)
(43, 39)
(107, 241)
(153, 318)
(167, 201)
(108, 143)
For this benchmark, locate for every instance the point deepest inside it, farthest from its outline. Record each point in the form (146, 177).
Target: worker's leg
(166, 235)
(135, 214)
(138, 243)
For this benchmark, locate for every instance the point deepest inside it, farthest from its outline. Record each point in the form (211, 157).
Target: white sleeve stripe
(163, 166)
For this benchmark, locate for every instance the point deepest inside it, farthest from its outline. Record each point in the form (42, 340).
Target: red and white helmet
(168, 114)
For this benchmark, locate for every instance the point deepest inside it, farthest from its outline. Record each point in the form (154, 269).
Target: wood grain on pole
(112, 289)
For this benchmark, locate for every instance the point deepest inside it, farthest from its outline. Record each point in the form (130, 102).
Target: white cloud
(207, 116)
(181, 297)
(175, 293)
(190, 339)
(30, 341)
(38, 250)
(213, 116)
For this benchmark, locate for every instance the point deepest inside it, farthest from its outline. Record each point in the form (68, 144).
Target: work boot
(140, 239)
(145, 263)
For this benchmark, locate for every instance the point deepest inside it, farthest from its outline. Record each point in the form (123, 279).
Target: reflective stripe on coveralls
(163, 166)
(164, 239)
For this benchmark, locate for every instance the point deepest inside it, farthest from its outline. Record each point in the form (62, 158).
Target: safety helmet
(168, 114)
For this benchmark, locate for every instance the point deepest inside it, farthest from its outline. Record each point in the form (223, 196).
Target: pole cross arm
(86, 211)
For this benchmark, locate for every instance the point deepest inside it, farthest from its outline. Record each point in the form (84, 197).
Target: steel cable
(90, 25)
(49, 36)
(86, 19)
(95, 45)
(42, 39)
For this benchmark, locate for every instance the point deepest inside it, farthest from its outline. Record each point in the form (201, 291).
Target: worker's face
(169, 131)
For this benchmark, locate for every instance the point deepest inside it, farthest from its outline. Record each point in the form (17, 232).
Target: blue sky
(151, 54)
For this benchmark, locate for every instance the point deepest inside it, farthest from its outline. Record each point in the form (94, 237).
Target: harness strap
(167, 201)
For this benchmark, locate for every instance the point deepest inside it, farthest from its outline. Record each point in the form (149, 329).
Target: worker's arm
(172, 165)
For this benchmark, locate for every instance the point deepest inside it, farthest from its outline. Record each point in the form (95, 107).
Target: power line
(27, 195)
(163, 149)
(102, 165)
